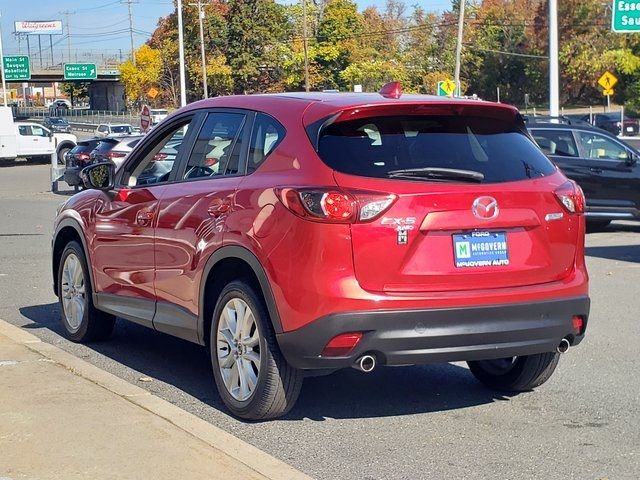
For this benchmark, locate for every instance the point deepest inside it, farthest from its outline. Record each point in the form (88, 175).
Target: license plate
(629, 129)
(480, 249)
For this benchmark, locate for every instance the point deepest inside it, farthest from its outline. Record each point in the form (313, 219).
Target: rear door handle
(219, 207)
(145, 217)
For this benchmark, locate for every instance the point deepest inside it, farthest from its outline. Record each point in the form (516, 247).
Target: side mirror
(632, 159)
(99, 176)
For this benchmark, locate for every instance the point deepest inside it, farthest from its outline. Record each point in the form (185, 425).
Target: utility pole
(205, 89)
(456, 77)
(183, 81)
(133, 56)
(67, 13)
(4, 83)
(304, 45)
(554, 70)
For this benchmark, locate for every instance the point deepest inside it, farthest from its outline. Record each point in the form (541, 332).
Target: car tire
(517, 374)
(597, 225)
(61, 153)
(253, 378)
(82, 322)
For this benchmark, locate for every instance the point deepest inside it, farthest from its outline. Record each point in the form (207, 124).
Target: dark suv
(605, 167)
(297, 233)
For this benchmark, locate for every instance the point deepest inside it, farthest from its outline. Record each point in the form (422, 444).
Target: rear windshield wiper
(438, 174)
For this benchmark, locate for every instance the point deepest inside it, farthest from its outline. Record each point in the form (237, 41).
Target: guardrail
(75, 115)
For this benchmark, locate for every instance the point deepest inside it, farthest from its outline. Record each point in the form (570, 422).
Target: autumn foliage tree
(257, 46)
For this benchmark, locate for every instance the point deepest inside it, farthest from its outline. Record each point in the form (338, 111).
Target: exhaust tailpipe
(365, 363)
(564, 346)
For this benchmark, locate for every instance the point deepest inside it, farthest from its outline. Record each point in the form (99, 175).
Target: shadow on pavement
(388, 391)
(623, 253)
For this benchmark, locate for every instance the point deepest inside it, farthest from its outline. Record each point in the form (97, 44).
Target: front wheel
(253, 378)
(81, 320)
(515, 374)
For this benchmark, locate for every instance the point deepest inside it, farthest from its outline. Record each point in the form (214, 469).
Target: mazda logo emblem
(485, 208)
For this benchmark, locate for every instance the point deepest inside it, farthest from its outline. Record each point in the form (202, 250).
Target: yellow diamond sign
(153, 92)
(608, 80)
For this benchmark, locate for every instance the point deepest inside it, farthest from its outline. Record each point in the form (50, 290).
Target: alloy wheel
(73, 291)
(238, 349)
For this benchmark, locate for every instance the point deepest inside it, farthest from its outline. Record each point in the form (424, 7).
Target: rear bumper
(439, 335)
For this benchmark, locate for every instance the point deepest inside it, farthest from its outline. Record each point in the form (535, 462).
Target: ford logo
(485, 208)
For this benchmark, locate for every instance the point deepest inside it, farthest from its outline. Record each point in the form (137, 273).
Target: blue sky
(102, 25)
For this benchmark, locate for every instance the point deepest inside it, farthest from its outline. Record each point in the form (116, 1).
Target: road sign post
(145, 118)
(446, 88)
(625, 16)
(607, 81)
(16, 67)
(80, 71)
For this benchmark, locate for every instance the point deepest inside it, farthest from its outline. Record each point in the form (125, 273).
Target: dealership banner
(51, 27)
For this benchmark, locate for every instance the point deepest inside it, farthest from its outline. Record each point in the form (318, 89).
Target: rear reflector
(342, 345)
(577, 322)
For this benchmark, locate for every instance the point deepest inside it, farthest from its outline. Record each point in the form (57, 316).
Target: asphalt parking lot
(430, 422)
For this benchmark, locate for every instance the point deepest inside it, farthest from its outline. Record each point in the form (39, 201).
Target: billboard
(39, 27)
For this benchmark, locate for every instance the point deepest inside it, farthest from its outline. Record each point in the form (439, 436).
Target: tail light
(112, 154)
(335, 206)
(160, 156)
(571, 197)
(577, 322)
(342, 345)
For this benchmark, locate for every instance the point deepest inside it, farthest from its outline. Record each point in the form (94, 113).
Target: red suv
(300, 232)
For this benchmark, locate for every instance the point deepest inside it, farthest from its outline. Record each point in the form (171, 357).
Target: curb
(252, 457)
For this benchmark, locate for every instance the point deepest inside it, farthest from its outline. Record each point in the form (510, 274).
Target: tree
(146, 73)
(76, 91)
(255, 30)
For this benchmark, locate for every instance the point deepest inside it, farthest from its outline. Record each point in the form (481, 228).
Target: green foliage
(257, 46)
(75, 90)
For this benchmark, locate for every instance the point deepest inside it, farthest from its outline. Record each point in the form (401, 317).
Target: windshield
(433, 148)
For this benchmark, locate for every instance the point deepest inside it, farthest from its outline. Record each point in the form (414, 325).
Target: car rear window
(106, 145)
(489, 149)
(121, 129)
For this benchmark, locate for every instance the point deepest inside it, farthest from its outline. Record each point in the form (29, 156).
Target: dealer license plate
(480, 249)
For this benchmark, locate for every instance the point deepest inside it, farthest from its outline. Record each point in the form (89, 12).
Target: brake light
(113, 154)
(160, 156)
(342, 345)
(571, 197)
(83, 156)
(335, 206)
(578, 324)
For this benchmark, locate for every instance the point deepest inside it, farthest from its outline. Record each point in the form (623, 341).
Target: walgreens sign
(51, 27)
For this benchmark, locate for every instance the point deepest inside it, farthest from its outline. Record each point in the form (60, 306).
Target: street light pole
(205, 88)
(183, 82)
(304, 45)
(554, 82)
(4, 83)
(456, 78)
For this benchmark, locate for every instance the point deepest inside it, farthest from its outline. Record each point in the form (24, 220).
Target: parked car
(114, 149)
(57, 124)
(109, 130)
(60, 104)
(311, 232)
(604, 166)
(611, 122)
(78, 158)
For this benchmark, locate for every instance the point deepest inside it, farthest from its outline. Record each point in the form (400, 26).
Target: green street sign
(446, 88)
(80, 71)
(625, 16)
(16, 67)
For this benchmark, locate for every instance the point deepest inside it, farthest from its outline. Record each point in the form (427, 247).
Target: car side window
(600, 147)
(216, 151)
(556, 142)
(39, 131)
(24, 130)
(157, 164)
(267, 134)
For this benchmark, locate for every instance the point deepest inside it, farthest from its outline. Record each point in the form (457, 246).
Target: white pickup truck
(31, 140)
